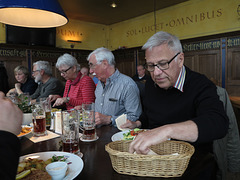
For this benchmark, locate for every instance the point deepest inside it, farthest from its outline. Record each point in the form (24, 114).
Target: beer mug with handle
(70, 132)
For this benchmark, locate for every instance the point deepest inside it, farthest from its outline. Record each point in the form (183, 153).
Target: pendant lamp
(32, 13)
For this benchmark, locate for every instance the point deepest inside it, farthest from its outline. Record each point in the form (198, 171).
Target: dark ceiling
(100, 11)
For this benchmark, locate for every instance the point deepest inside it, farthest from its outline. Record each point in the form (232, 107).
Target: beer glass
(46, 104)
(88, 122)
(70, 131)
(39, 120)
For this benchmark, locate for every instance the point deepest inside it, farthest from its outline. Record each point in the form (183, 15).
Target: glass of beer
(70, 132)
(39, 120)
(46, 104)
(88, 122)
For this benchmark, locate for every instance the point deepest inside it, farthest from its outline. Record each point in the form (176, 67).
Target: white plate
(74, 168)
(26, 133)
(118, 136)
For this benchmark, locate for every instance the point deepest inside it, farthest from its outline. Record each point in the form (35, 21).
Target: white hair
(161, 38)
(43, 65)
(69, 60)
(103, 54)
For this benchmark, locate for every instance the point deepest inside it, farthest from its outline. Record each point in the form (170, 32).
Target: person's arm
(18, 88)
(10, 126)
(186, 131)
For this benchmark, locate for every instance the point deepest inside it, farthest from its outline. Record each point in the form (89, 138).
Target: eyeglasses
(33, 72)
(92, 66)
(162, 65)
(65, 71)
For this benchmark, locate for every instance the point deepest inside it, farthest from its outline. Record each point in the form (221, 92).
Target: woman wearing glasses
(78, 89)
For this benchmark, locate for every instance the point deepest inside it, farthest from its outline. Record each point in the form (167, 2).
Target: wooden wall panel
(205, 62)
(233, 71)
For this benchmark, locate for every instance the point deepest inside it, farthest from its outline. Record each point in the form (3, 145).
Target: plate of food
(37, 162)
(127, 135)
(25, 131)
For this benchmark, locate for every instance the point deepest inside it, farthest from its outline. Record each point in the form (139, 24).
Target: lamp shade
(32, 13)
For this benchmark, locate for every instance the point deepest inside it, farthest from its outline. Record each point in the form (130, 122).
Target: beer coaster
(84, 140)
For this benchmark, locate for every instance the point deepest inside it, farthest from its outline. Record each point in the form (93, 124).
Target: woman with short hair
(25, 83)
(78, 89)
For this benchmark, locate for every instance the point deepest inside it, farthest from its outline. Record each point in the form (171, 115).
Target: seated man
(179, 103)
(47, 84)
(116, 93)
(141, 74)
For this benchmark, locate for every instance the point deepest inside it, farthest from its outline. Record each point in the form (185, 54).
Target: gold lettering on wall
(182, 21)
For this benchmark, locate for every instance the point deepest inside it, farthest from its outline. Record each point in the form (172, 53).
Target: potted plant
(25, 105)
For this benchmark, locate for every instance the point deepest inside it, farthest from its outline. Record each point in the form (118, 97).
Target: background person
(141, 74)
(116, 93)
(47, 84)
(10, 126)
(25, 84)
(79, 88)
(179, 103)
(85, 71)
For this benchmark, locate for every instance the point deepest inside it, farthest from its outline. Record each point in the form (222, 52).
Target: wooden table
(97, 164)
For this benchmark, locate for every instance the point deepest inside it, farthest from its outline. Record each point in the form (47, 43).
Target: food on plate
(33, 168)
(25, 130)
(131, 134)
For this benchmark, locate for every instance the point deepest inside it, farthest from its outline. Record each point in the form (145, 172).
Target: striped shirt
(81, 92)
(181, 78)
(119, 95)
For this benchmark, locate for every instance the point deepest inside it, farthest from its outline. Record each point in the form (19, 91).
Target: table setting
(94, 152)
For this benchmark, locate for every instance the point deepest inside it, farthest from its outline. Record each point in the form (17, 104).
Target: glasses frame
(92, 66)
(65, 71)
(159, 67)
(33, 72)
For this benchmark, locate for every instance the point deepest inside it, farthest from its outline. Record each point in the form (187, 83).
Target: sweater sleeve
(10, 152)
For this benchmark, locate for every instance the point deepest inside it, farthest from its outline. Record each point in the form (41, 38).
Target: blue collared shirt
(181, 78)
(119, 95)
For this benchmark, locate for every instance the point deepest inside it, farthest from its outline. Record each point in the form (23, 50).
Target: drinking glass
(70, 132)
(47, 108)
(39, 120)
(88, 122)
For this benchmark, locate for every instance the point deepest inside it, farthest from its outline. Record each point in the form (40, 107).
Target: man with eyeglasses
(179, 103)
(116, 93)
(47, 84)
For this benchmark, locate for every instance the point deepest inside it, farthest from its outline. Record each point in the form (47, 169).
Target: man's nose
(157, 71)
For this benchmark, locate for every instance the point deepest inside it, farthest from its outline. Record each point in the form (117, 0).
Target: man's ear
(181, 59)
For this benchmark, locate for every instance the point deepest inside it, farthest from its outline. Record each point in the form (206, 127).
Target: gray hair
(103, 54)
(161, 38)
(44, 65)
(69, 60)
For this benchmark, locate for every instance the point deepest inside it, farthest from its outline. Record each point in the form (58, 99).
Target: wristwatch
(68, 99)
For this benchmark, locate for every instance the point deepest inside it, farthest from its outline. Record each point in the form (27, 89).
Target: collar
(113, 77)
(78, 78)
(181, 78)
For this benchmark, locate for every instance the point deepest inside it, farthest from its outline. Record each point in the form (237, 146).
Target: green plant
(24, 103)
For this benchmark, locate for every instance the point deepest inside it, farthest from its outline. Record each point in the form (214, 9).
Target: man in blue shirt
(116, 94)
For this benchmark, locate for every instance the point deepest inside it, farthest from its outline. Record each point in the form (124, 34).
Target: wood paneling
(233, 71)
(206, 62)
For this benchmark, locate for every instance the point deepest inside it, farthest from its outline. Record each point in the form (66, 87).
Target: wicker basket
(163, 165)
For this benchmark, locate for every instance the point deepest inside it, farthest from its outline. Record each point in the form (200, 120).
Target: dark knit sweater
(198, 102)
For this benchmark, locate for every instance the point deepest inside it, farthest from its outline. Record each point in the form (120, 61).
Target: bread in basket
(165, 164)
